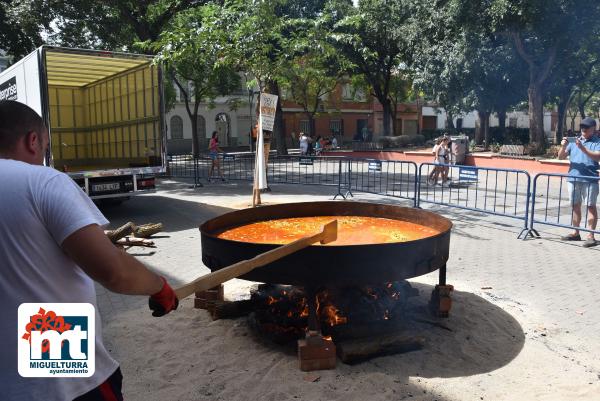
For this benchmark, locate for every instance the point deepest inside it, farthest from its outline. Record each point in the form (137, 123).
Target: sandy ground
(517, 332)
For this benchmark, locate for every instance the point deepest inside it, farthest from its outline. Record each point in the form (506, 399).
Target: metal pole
(442, 280)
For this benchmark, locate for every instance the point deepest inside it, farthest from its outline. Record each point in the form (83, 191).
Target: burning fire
(331, 315)
(285, 308)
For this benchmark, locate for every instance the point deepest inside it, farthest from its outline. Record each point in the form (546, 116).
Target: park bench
(512, 150)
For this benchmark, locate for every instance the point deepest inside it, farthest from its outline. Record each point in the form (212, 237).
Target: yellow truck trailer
(104, 111)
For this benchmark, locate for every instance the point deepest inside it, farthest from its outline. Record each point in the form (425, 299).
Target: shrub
(513, 136)
(401, 141)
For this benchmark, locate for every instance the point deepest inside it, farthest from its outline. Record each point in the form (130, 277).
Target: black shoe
(571, 237)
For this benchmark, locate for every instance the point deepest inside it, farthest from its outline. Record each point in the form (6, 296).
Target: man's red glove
(163, 301)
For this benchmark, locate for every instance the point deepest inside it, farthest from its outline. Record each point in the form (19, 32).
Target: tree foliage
(312, 69)
(374, 38)
(23, 23)
(193, 59)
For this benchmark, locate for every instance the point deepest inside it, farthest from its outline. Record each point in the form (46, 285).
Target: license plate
(106, 187)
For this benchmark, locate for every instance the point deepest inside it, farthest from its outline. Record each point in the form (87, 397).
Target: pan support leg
(441, 302)
(207, 299)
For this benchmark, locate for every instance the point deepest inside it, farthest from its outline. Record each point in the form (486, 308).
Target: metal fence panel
(552, 205)
(501, 192)
(383, 177)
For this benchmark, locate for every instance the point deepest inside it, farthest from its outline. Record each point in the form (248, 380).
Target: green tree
(258, 39)
(114, 24)
(194, 63)
(312, 70)
(23, 23)
(400, 92)
(374, 38)
(545, 34)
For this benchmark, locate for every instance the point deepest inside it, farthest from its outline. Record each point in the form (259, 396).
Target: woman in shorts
(213, 153)
(441, 153)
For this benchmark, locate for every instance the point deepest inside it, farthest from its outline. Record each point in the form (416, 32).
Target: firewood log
(147, 230)
(117, 234)
(359, 350)
(129, 242)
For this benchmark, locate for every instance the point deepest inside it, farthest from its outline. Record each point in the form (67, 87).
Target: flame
(304, 312)
(332, 317)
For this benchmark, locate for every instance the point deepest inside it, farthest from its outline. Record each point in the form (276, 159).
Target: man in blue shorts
(584, 154)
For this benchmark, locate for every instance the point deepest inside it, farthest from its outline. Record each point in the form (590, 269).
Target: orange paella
(352, 230)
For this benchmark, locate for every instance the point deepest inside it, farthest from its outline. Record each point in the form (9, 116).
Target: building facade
(230, 116)
(345, 113)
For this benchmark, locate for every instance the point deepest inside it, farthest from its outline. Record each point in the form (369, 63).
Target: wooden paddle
(328, 234)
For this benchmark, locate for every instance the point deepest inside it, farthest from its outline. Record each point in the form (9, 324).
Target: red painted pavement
(478, 160)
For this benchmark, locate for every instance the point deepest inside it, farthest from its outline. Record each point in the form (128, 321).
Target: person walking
(584, 154)
(213, 153)
(53, 248)
(440, 152)
(303, 144)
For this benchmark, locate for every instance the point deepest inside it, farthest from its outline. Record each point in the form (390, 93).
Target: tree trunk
(581, 108)
(480, 132)
(562, 105)
(393, 115)
(537, 137)
(486, 130)
(278, 127)
(538, 75)
(311, 124)
(502, 123)
(195, 139)
(449, 121)
(387, 111)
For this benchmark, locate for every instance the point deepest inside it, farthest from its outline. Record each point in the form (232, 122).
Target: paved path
(550, 288)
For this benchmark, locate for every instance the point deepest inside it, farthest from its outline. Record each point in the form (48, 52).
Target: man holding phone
(584, 155)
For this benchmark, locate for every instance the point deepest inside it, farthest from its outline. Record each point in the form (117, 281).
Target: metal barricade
(235, 167)
(180, 166)
(304, 170)
(393, 178)
(501, 192)
(553, 203)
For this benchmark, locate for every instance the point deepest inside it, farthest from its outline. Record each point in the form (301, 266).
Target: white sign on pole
(260, 170)
(268, 107)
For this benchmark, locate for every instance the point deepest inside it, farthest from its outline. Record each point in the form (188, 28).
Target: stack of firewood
(129, 235)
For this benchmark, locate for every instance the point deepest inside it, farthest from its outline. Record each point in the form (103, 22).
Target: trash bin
(460, 145)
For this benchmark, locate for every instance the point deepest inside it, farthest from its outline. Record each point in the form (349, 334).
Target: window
(512, 122)
(305, 127)
(176, 127)
(335, 126)
(201, 127)
(360, 95)
(347, 92)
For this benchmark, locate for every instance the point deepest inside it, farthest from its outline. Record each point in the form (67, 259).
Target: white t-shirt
(304, 143)
(39, 208)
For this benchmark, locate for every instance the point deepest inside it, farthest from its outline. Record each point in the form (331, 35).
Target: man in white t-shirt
(52, 248)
